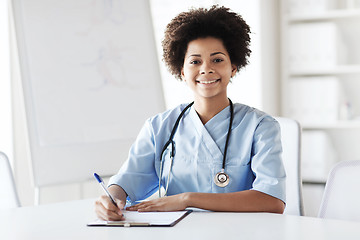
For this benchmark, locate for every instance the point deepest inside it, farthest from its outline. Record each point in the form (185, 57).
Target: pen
(99, 179)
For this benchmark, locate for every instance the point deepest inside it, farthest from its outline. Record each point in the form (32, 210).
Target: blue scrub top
(253, 156)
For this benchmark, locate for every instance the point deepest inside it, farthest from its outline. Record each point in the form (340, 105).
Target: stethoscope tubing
(229, 132)
(172, 153)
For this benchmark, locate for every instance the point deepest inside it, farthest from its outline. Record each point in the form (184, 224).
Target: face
(207, 68)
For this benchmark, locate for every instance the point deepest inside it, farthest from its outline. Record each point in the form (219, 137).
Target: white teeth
(207, 82)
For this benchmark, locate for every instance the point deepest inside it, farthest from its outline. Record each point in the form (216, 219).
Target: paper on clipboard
(145, 219)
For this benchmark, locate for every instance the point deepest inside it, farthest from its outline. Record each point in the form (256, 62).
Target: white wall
(6, 135)
(257, 85)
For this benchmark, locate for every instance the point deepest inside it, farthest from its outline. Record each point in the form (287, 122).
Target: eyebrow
(215, 53)
(212, 54)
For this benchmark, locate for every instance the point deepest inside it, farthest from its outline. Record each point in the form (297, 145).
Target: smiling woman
(207, 70)
(256, 85)
(232, 30)
(210, 153)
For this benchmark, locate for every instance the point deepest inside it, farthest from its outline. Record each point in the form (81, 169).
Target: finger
(157, 206)
(108, 204)
(139, 205)
(120, 204)
(132, 208)
(151, 208)
(100, 211)
(107, 214)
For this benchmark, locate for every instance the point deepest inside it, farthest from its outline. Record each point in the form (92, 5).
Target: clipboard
(144, 219)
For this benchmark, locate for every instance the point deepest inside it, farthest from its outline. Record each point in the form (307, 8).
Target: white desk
(68, 221)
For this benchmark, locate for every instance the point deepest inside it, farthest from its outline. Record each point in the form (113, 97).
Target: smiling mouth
(207, 82)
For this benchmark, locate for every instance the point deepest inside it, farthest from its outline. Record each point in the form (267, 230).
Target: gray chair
(291, 141)
(8, 194)
(341, 199)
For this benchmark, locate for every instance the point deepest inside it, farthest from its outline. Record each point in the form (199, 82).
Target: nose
(206, 68)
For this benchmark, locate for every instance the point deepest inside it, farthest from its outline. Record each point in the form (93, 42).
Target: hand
(164, 204)
(106, 210)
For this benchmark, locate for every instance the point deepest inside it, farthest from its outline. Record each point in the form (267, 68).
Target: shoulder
(245, 112)
(246, 115)
(166, 119)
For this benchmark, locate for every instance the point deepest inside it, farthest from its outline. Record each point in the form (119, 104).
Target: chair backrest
(341, 199)
(8, 193)
(291, 141)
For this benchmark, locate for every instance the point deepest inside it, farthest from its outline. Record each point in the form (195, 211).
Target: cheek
(226, 73)
(188, 74)
(231, 72)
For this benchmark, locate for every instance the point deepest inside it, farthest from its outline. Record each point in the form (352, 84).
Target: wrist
(118, 192)
(186, 198)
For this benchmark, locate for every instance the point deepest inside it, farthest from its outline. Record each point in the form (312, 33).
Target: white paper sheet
(134, 218)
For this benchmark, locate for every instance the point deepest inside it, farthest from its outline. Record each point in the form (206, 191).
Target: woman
(210, 154)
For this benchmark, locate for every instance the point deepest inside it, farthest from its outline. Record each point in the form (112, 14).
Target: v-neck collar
(204, 134)
(223, 115)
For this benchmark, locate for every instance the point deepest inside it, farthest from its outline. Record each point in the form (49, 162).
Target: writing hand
(106, 210)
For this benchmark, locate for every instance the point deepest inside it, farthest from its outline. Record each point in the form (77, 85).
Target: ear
(183, 75)
(233, 70)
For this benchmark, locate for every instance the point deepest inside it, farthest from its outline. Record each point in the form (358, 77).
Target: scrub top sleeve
(137, 176)
(266, 162)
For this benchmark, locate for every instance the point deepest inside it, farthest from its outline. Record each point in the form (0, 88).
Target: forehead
(206, 45)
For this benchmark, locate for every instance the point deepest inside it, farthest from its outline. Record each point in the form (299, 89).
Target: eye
(194, 62)
(217, 60)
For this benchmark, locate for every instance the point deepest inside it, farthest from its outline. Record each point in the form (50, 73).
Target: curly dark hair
(218, 22)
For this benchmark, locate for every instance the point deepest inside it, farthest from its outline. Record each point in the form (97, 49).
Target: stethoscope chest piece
(221, 179)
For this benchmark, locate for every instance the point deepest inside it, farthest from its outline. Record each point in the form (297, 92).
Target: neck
(208, 108)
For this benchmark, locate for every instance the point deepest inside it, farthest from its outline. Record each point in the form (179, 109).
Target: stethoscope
(221, 179)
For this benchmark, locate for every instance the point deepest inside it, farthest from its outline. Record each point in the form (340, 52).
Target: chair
(342, 192)
(291, 140)
(8, 193)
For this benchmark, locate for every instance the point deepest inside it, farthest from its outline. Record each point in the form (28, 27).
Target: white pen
(99, 179)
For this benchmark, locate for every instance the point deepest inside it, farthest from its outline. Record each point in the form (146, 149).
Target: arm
(106, 210)
(243, 201)
(139, 169)
(270, 181)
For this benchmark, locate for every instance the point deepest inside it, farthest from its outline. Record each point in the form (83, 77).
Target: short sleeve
(138, 176)
(266, 164)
